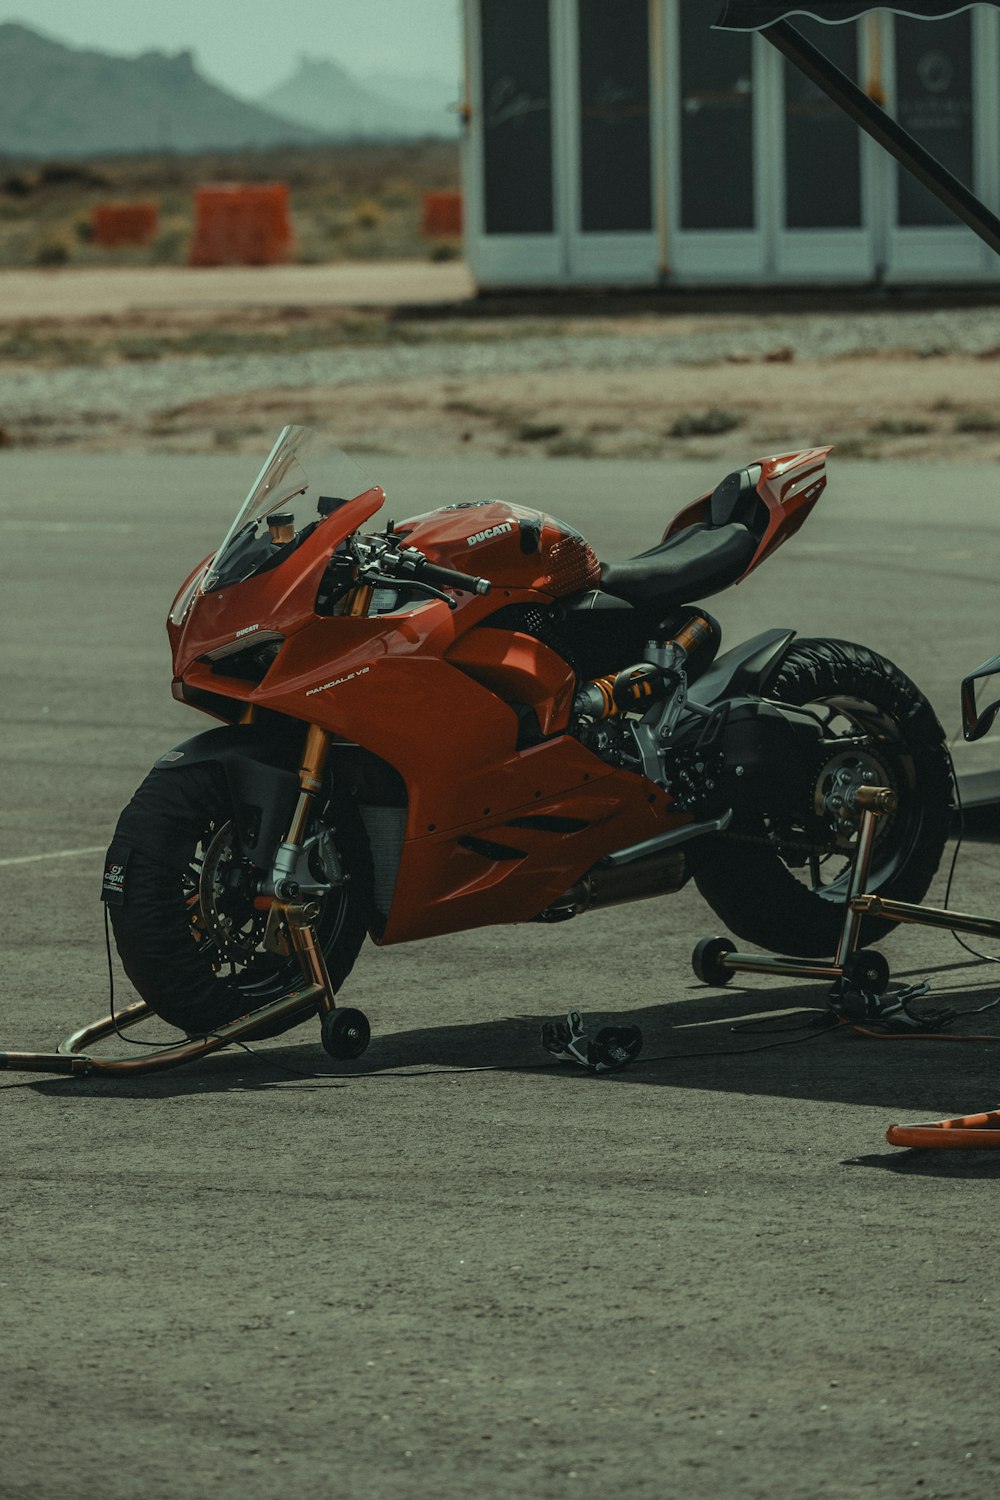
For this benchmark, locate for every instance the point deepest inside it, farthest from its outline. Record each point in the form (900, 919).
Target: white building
(624, 142)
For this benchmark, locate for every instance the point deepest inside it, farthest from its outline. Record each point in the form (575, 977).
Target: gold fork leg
(310, 955)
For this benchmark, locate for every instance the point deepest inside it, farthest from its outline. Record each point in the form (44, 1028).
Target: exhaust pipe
(612, 885)
(656, 867)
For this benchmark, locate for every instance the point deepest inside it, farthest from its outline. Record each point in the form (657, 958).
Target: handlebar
(453, 579)
(409, 563)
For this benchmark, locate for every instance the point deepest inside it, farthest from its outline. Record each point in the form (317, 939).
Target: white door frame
(711, 255)
(507, 259)
(618, 256)
(832, 254)
(947, 252)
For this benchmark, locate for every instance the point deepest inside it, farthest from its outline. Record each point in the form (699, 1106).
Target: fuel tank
(511, 545)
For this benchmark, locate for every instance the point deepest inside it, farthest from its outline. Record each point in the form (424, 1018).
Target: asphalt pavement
(708, 1276)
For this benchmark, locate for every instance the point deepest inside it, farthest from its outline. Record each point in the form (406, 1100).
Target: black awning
(754, 15)
(770, 18)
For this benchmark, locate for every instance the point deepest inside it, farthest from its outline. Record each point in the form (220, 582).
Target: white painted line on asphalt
(27, 859)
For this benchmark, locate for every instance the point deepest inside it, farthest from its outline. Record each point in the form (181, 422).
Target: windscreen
(304, 477)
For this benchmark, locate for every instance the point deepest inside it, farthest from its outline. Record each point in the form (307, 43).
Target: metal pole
(925, 916)
(898, 142)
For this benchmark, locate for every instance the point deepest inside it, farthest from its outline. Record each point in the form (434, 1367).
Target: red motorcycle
(465, 718)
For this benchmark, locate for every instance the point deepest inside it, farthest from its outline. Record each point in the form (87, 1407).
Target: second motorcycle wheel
(778, 878)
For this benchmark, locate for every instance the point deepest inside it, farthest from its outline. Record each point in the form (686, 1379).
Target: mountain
(417, 91)
(327, 98)
(57, 100)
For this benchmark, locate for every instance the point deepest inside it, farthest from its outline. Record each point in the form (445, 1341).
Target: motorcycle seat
(695, 562)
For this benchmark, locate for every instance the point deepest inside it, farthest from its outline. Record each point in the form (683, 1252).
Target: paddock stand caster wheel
(868, 972)
(706, 960)
(345, 1033)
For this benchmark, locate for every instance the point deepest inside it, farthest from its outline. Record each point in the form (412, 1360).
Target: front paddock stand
(344, 1032)
(715, 959)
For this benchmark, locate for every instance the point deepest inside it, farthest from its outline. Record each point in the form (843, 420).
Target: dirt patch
(678, 385)
(868, 408)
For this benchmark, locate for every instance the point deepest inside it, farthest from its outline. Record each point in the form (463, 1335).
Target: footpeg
(607, 1051)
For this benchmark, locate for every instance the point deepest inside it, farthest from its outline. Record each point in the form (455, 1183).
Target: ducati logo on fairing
(484, 536)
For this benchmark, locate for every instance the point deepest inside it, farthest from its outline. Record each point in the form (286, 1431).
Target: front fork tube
(282, 886)
(300, 916)
(314, 754)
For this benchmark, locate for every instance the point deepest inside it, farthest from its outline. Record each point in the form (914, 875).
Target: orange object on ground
(442, 216)
(116, 224)
(963, 1133)
(237, 224)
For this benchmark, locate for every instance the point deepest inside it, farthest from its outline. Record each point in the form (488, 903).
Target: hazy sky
(250, 45)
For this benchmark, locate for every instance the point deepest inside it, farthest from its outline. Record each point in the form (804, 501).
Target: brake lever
(387, 581)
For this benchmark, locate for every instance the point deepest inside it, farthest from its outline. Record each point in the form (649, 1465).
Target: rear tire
(752, 887)
(200, 969)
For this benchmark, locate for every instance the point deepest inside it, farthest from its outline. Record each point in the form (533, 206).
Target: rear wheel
(190, 938)
(778, 878)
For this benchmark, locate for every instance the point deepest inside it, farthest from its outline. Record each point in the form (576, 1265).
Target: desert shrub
(170, 246)
(368, 214)
(52, 252)
(399, 193)
(900, 427)
(706, 423)
(978, 421)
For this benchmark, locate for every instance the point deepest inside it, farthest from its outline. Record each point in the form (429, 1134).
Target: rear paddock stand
(715, 960)
(345, 1032)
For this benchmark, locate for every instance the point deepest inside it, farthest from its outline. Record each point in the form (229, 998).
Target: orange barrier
(116, 224)
(237, 224)
(442, 216)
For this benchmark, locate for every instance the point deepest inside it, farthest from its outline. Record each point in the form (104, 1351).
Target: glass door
(935, 95)
(715, 121)
(609, 206)
(822, 227)
(514, 229)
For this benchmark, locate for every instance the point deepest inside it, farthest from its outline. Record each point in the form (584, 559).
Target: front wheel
(779, 877)
(191, 939)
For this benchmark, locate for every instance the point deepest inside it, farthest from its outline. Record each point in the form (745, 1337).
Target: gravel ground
(136, 389)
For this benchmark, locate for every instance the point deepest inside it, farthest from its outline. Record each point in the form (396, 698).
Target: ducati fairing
(467, 717)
